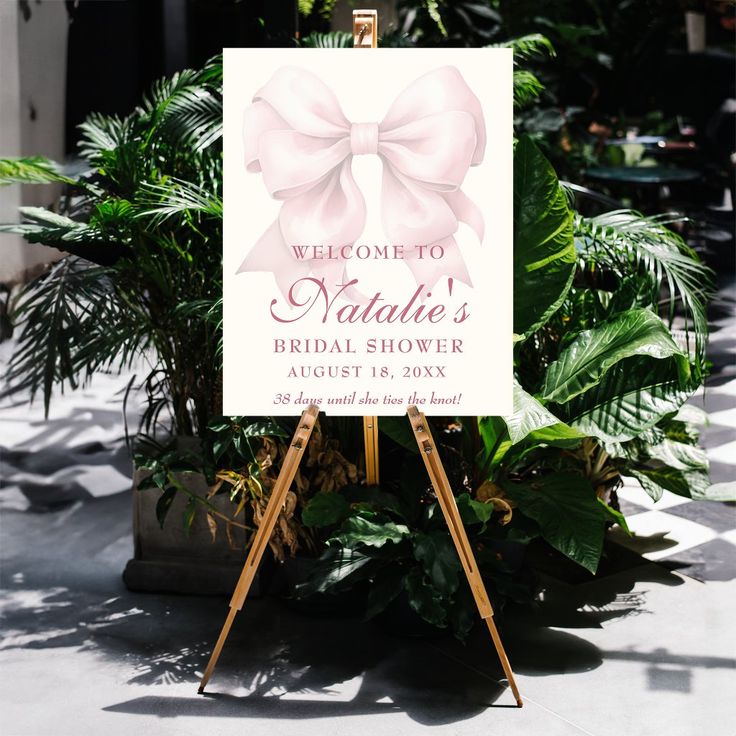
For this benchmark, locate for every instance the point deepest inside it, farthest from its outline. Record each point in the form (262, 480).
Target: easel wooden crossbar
(445, 498)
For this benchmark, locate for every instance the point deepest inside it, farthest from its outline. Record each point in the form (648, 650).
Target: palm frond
(625, 241)
(333, 40)
(30, 170)
(54, 313)
(177, 197)
(527, 47)
(526, 87)
(87, 240)
(194, 117)
(102, 133)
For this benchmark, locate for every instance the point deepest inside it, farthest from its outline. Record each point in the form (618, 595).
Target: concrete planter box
(172, 561)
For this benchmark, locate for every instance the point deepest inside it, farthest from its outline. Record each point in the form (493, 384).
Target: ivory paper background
(478, 380)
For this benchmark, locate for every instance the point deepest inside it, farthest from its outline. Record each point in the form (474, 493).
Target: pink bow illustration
(297, 136)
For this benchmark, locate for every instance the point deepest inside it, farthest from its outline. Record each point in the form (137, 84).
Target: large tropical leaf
(530, 422)
(584, 363)
(531, 416)
(630, 399)
(369, 530)
(667, 464)
(656, 480)
(544, 248)
(325, 509)
(569, 515)
(337, 568)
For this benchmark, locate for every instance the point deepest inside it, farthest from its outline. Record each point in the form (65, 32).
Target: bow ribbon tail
(466, 211)
(271, 254)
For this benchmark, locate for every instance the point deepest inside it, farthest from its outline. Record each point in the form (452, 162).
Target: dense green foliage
(600, 393)
(601, 383)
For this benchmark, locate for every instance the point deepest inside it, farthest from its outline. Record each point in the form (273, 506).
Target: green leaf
(263, 429)
(526, 86)
(400, 431)
(632, 398)
(336, 569)
(164, 504)
(423, 598)
(472, 511)
(568, 513)
(544, 249)
(721, 492)
(688, 483)
(615, 516)
(527, 47)
(220, 445)
(439, 558)
(373, 532)
(531, 416)
(325, 509)
(334, 40)
(189, 512)
(30, 170)
(384, 589)
(679, 455)
(531, 421)
(627, 241)
(666, 464)
(240, 443)
(372, 496)
(558, 435)
(690, 414)
(584, 363)
(496, 441)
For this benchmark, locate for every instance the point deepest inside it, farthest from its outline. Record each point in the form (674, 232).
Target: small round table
(648, 182)
(638, 175)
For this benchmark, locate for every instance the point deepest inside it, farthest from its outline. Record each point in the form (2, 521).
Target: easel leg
(370, 439)
(260, 541)
(447, 503)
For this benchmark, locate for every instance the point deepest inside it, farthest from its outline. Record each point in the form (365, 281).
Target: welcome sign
(368, 231)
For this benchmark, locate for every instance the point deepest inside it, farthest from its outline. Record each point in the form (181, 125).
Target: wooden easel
(446, 500)
(365, 35)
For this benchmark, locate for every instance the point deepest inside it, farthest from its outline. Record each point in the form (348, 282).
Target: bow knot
(363, 138)
(298, 137)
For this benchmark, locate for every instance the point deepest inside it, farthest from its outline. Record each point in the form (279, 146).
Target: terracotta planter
(170, 560)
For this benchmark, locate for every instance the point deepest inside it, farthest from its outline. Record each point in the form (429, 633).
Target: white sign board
(368, 231)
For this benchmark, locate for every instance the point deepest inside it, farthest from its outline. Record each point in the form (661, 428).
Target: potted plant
(601, 383)
(140, 282)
